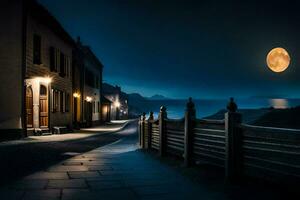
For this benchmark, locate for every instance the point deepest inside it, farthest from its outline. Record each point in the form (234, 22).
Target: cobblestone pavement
(115, 171)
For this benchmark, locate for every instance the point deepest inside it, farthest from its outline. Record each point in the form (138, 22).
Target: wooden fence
(241, 149)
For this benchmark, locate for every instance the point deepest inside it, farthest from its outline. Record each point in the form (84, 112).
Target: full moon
(278, 59)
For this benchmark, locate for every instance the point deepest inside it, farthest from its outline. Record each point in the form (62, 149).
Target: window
(97, 82)
(43, 90)
(67, 107)
(37, 47)
(62, 65)
(53, 66)
(98, 110)
(62, 101)
(94, 107)
(55, 101)
(89, 78)
(54, 59)
(68, 66)
(59, 62)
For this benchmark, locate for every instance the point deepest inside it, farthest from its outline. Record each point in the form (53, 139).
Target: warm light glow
(76, 95)
(88, 99)
(278, 59)
(46, 80)
(279, 103)
(117, 104)
(105, 110)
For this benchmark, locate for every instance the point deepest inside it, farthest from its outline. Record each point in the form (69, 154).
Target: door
(75, 109)
(29, 106)
(43, 107)
(88, 111)
(105, 113)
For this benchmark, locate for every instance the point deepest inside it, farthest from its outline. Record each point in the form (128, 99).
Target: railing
(241, 149)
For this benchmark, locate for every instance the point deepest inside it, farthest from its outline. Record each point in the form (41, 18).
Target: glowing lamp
(76, 95)
(48, 80)
(117, 104)
(88, 99)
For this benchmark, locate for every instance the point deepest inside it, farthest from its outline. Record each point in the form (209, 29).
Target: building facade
(105, 109)
(119, 101)
(87, 84)
(35, 69)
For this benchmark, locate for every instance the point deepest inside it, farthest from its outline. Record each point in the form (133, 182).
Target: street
(18, 160)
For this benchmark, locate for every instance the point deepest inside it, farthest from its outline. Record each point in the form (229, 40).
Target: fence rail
(241, 149)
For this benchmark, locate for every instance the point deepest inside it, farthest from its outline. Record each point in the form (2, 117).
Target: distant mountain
(138, 104)
(136, 97)
(158, 97)
(281, 118)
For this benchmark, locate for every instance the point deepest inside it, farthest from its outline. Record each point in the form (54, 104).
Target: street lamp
(88, 99)
(117, 104)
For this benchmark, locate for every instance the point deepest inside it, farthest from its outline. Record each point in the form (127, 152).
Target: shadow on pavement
(24, 159)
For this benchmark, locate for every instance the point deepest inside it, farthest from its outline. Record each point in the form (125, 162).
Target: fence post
(189, 122)
(143, 131)
(140, 130)
(150, 120)
(162, 130)
(233, 143)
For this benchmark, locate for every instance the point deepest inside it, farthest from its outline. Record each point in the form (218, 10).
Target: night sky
(206, 49)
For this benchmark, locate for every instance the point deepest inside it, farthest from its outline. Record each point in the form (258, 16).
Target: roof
(87, 51)
(43, 16)
(105, 100)
(110, 89)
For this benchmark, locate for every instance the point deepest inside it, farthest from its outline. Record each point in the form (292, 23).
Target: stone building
(87, 83)
(118, 99)
(35, 70)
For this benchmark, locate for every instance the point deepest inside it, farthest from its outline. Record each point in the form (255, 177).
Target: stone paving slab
(48, 175)
(49, 194)
(118, 194)
(67, 183)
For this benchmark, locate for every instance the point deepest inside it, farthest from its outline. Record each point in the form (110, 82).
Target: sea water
(207, 107)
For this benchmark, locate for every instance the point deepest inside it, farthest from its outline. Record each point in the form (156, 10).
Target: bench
(59, 129)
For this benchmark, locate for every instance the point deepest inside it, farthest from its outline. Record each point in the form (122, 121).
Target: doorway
(29, 107)
(88, 112)
(43, 107)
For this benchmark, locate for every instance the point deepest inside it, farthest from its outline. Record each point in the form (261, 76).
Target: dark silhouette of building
(119, 99)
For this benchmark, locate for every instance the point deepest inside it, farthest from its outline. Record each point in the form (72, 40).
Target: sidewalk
(115, 171)
(80, 134)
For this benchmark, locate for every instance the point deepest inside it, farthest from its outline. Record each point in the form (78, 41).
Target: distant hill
(138, 104)
(281, 118)
(158, 97)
